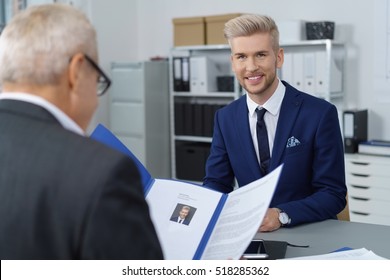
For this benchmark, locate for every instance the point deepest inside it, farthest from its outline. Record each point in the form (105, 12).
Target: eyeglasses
(103, 82)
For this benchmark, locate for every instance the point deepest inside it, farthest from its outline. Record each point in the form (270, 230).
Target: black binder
(355, 129)
(181, 74)
(179, 118)
(188, 119)
(208, 120)
(198, 119)
(185, 67)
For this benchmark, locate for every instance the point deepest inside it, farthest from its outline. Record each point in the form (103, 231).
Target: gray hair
(249, 24)
(38, 43)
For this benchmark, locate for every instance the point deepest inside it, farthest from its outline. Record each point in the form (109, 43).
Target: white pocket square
(292, 142)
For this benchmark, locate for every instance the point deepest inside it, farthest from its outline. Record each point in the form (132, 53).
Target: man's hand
(271, 220)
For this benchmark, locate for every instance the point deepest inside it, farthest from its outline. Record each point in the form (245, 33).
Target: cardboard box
(215, 26)
(189, 31)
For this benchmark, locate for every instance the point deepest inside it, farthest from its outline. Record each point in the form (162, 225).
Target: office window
(8, 8)
(2, 15)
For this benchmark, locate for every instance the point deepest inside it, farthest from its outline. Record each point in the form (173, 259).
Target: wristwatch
(284, 219)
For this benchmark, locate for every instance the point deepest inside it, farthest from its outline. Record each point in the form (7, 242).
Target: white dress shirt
(270, 118)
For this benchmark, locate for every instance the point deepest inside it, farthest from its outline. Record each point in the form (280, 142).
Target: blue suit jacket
(312, 184)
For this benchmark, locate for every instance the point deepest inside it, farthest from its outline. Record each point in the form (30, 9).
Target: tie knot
(260, 113)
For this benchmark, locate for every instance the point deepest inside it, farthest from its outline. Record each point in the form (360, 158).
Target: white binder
(203, 75)
(309, 70)
(298, 71)
(321, 80)
(287, 68)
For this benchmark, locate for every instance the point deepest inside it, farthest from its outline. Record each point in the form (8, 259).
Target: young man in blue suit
(62, 194)
(303, 132)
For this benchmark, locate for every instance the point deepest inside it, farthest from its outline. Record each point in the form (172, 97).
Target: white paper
(238, 222)
(357, 254)
(180, 241)
(241, 217)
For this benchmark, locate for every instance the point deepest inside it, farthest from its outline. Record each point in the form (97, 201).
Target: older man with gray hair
(62, 195)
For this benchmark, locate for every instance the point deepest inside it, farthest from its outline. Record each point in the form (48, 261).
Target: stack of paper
(375, 147)
(356, 254)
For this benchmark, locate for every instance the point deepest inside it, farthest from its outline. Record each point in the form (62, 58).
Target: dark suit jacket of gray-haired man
(62, 194)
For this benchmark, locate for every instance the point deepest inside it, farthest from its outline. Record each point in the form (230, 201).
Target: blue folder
(105, 136)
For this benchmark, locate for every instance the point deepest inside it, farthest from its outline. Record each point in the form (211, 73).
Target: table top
(330, 235)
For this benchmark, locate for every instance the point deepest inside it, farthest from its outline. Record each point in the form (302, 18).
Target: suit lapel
(244, 135)
(288, 113)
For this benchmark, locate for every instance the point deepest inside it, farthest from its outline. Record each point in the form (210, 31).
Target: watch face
(283, 218)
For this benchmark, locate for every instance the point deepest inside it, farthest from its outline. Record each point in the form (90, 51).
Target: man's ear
(280, 58)
(74, 70)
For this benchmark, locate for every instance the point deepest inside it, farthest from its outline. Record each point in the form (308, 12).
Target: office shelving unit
(314, 66)
(194, 109)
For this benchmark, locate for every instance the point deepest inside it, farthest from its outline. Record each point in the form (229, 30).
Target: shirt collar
(272, 105)
(64, 119)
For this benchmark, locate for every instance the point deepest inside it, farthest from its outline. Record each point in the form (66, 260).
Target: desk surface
(327, 236)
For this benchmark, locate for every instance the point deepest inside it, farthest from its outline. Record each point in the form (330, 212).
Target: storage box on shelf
(214, 28)
(202, 30)
(368, 182)
(320, 30)
(189, 31)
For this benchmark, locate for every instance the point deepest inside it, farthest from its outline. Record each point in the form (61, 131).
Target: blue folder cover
(103, 135)
(342, 249)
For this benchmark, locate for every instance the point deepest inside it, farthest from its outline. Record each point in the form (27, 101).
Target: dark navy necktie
(262, 140)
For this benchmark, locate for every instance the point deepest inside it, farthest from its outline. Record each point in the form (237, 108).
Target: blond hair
(249, 24)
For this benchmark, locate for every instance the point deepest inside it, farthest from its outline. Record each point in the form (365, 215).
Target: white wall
(117, 27)
(132, 30)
